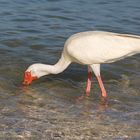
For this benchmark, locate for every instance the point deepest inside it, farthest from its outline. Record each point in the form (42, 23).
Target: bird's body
(96, 47)
(90, 48)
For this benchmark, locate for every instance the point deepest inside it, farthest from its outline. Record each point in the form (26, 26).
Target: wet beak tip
(28, 78)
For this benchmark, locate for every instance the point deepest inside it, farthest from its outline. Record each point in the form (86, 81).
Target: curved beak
(28, 78)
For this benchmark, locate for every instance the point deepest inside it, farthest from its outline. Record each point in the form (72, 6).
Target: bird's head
(34, 72)
(29, 75)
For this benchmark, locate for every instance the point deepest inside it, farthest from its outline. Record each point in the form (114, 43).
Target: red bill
(28, 78)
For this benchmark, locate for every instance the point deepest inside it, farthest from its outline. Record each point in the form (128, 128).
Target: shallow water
(35, 31)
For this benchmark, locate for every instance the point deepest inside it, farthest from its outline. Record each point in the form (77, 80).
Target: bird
(90, 48)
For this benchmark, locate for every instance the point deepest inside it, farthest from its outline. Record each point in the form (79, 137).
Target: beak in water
(28, 78)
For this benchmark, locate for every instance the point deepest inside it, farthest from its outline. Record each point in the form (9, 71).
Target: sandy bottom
(48, 110)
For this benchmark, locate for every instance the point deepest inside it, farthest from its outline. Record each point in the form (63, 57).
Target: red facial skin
(28, 78)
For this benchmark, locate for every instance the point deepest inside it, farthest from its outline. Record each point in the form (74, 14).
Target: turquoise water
(35, 31)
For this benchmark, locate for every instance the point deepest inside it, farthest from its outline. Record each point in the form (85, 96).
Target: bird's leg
(96, 69)
(104, 94)
(88, 86)
(102, 86)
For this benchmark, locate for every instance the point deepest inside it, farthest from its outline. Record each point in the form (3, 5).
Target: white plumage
(97, 47)
(90, 48)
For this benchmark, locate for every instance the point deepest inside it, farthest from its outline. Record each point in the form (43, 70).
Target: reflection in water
(34, 32)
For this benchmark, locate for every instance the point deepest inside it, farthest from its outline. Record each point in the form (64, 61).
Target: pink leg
(88, 86)
(104, 95)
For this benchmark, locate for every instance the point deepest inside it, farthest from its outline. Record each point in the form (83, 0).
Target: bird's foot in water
(104, 101)
(82, 97)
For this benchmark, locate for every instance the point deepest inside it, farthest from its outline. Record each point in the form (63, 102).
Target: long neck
(59, 67)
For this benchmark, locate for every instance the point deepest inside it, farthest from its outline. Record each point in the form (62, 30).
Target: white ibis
(90, 48)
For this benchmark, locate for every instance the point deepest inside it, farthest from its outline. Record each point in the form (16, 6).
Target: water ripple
(34, 32)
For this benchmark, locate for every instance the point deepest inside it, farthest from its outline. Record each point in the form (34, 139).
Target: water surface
(35, 31)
